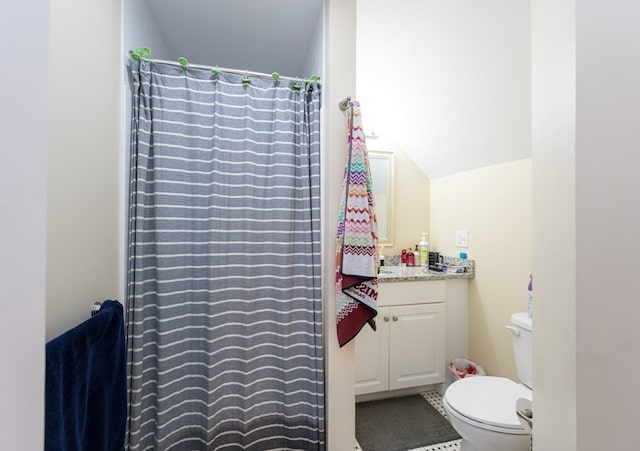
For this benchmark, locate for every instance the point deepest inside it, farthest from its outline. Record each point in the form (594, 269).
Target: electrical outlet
(462, 238)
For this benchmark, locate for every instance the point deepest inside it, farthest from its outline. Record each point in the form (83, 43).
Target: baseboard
(398, 393)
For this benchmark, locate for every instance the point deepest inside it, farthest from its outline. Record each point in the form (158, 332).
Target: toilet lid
(487, 399)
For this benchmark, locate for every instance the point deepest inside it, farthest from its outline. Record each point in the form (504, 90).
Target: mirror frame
(388, 191)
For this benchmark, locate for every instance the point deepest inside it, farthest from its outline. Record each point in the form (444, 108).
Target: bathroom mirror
(382, 182)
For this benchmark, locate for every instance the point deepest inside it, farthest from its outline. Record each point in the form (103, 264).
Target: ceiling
(468, 99)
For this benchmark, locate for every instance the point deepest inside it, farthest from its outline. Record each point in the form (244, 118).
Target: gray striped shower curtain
(224, 318)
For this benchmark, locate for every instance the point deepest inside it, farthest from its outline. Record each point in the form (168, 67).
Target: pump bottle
(423, 247)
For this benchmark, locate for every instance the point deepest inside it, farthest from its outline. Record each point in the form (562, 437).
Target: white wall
(448, 80)
(493, 204)
(314, 60)
(139, 29)
(339, 76)
(83, 182)
(607, 219)
(586, 110)
(554, 252)
(24, 31)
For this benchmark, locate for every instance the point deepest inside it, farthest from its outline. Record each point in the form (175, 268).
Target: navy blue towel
(86, 397)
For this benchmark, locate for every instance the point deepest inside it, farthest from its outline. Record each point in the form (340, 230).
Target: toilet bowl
(482, 411)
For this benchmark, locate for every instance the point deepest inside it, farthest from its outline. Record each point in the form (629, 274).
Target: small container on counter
(411, 258)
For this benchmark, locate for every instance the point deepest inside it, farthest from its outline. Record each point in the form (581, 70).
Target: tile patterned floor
(435, 400)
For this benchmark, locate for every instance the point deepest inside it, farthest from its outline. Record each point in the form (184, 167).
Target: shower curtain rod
(184, 63)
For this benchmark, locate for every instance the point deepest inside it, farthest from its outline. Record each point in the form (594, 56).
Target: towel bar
(95, 308)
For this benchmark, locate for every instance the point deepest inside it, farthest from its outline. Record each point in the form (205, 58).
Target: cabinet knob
(386, 319)
(395, 318)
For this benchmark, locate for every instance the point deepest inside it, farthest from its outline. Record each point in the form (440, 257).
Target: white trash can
(461, 368)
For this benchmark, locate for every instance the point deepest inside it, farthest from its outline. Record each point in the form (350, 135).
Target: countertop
(409, 273)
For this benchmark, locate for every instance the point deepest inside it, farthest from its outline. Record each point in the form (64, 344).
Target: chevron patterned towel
(357, 238)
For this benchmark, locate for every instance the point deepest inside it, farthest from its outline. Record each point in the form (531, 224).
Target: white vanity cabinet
(409, 347)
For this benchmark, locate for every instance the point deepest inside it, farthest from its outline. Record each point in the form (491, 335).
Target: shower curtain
(224, 319)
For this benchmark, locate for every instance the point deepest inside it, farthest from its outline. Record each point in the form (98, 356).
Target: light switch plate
(462, 238)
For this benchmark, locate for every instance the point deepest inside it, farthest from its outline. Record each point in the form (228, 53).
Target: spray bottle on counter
(423, 248)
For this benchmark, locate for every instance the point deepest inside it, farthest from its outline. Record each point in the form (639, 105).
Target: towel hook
(95, 308)
(343, 105)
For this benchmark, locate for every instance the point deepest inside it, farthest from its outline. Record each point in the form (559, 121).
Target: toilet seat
(487, 402)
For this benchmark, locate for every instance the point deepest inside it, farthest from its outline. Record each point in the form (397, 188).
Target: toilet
(482, 409)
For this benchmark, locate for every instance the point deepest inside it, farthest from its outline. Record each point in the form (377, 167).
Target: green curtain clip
(183, 62)
(144, 52)
(315, 79)
(246, 78)
(141, 52)
(296, 85)
(276, 76)
(215, 71)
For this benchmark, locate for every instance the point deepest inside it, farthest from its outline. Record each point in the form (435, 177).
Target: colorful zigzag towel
(357, 238)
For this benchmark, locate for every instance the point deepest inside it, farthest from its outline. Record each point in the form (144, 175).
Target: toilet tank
(522, 334)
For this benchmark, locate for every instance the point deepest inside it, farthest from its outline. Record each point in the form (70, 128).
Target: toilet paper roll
(524, 410)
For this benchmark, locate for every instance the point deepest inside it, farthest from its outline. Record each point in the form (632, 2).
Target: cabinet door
(372, 356)
(417, 345)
